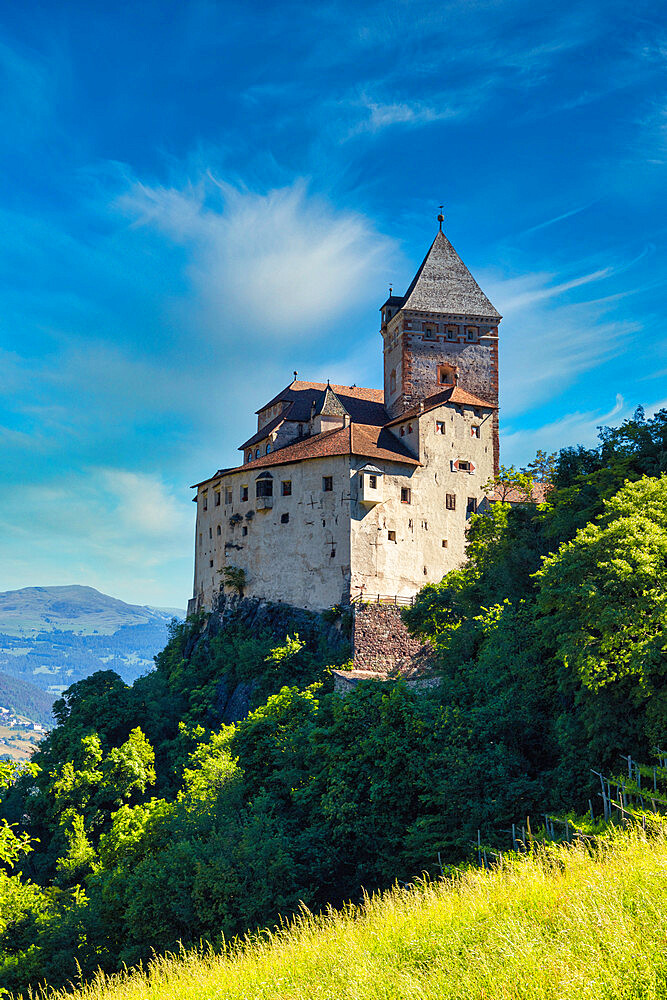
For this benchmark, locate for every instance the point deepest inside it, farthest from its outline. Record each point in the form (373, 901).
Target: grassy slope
(562, 926)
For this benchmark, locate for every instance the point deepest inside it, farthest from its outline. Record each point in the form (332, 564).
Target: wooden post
(590, 806)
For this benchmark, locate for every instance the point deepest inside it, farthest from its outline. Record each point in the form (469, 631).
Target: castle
(346, 493)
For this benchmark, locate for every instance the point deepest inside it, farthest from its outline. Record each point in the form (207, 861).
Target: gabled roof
(366, 406)
(368, 441)
(452, 395)
(264, 431)
(330, 405)
(444, 284)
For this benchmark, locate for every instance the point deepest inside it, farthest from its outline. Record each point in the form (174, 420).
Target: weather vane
(441, 217)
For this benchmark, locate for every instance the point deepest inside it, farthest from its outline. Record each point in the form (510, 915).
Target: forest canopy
(145, 820)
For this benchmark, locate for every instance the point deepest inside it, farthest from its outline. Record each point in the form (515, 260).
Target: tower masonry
(442, 332)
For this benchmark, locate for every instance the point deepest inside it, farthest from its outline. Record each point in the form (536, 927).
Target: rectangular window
(228, 495)
(219, 530)
(406, 496)
(429, 331)
(471, 505)
(444, 543)
(402, 431)
(284, 518)
(327, 484)
(210, 532)
(217, 498)
(471, 333)
(244, 530)
(373, 482)
(244, 493)
(210, 562)
(440, 427)
(452, 333)
(287, 487)
(391, 535)
(204, 501)
(474, 431)
(263, 488)
(450, 501)
(464, 466)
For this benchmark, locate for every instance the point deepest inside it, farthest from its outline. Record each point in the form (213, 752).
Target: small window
(391, 535)
(244, 530)
(464, 466)
(327, 484)
(287, 487)
(440, 427)
(409, 428)
(392, 380)
(249, 458)
(256, 452)
(425, 525)
(333, 551)
(429, 331)
(474, 431)
(406, 495)
(425, 571)
(471, 505)
(450, 501)
(219, 530)
(402, 431)
(210, 532)
(229, 498)
(244, 493)
(268, 449)
(210, 562)
(471, 333)
(452, 333)
(373, 482)
(284, 518)
(444, 543)
(217, 498)
(205, 501)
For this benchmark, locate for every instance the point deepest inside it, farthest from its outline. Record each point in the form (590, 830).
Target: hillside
(563, 924)
(55, 636)
(26, 699)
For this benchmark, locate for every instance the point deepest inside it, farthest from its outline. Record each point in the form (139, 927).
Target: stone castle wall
(381, 643)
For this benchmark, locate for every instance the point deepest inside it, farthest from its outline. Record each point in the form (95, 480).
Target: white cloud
(581, 427)
(547, 345)
(278, 263)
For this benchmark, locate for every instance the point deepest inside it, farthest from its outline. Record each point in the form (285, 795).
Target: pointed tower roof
(444, 284)
(329, 404)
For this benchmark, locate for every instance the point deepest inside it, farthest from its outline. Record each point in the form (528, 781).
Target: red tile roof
(538, 494)
(368, 441)
(363, 405)
(452, 395)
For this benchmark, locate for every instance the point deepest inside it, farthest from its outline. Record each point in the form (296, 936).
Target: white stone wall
(293, 561)
(417, 555)
(290, 562)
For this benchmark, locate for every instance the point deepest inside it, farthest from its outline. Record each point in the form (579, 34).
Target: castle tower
(442, 332)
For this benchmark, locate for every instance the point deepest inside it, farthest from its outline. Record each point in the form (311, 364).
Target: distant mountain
(54, 636)
(24, 698)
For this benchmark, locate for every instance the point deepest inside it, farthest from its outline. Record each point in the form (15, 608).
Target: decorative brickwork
(381, 643)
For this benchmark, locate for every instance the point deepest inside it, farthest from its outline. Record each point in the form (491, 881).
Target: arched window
(268, 449)
(250, 456)
(256, 452)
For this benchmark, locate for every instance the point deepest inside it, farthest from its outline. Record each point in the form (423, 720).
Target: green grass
(560, 924)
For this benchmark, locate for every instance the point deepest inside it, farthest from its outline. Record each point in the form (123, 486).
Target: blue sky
(199, 198)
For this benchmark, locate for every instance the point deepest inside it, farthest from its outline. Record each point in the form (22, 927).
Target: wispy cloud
(280, 263)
